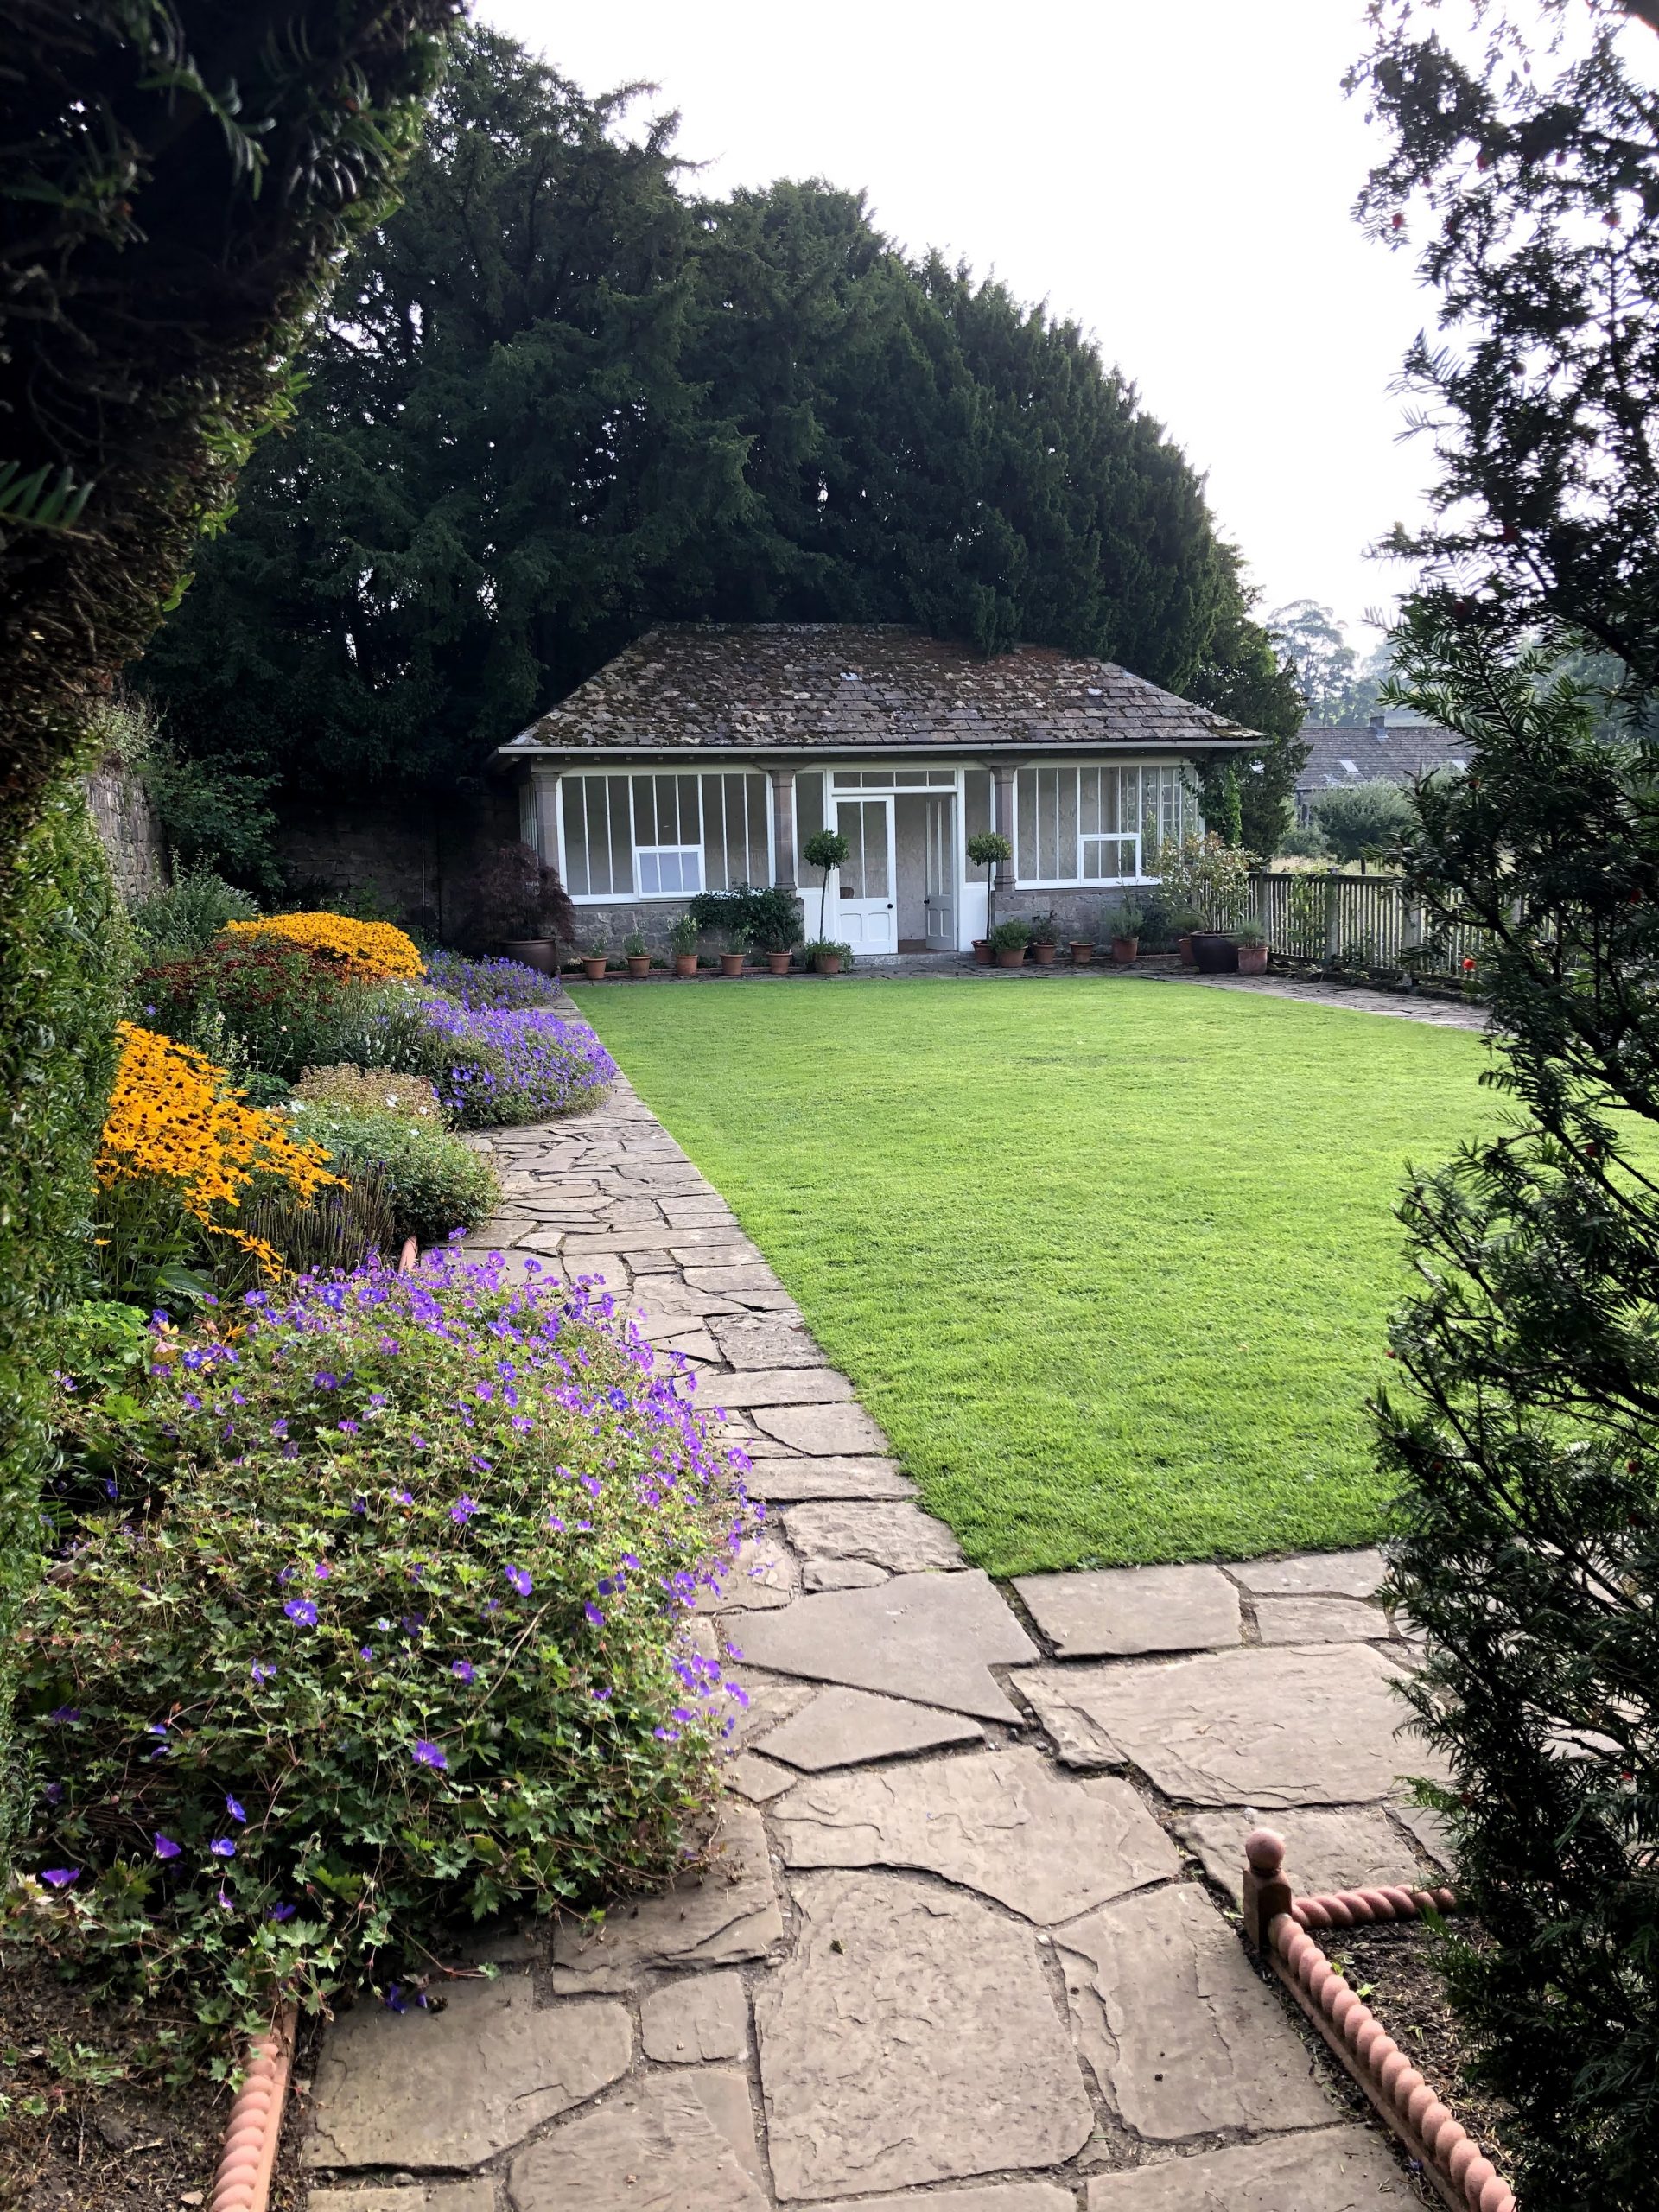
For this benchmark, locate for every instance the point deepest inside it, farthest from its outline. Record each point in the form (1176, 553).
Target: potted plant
(826, 957)
(737, 945)
(1008, 941)
(989, 851)
(1123, 926)
(1184, 921)
(684, 939)
(1083, 951)
(524, 907)
(826, 849)
(639, 960)
(1251, 940)
(772, 916)
(1045, 938)
(594, 955)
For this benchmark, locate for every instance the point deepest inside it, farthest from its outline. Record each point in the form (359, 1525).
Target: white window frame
(659, 854)
(1135, 811)
(700, 774)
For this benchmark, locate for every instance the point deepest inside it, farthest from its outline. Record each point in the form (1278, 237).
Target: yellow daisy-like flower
(367, 952)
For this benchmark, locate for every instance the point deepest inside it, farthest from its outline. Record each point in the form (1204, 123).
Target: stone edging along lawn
(955, 1926)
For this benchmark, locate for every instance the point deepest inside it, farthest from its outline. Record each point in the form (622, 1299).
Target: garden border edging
(1275, 1925)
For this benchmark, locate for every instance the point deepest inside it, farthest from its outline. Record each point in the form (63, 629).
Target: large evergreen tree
(557, 399)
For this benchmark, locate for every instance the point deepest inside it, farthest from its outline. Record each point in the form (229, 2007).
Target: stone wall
(120, 807)
(420, 860)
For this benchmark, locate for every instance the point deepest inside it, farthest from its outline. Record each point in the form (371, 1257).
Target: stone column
(1002, 821)
(783, 827)
(544, 793)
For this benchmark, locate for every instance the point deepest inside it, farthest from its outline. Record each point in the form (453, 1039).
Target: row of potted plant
(747, 918)
(1243, 949)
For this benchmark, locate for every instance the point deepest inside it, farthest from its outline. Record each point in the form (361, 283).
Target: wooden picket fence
(1364, 923)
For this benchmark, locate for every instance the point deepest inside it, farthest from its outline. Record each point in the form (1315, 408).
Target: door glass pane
(863, 823)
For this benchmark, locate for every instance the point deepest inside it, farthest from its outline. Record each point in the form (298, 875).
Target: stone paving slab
(756, 1340)
(842, 1727)
(1317, 1619)
(1000, 2197)
(1334, 2169)
(836, 1431)
(784, 1386)
(760, 1575)
(1339, 1574)
(1349, 1850)
(784, 1480)
(694, 2018)
(901, 1539)
(453, 2087)
(910, 2039)
(1114, 1612)
(668, 2143)
(724, 1912)
(1180, 2033)
(818, 1574)
(424, 2196)
(758, 1779)
(1002, 1822)
(1302, 1726)
(929, 1637)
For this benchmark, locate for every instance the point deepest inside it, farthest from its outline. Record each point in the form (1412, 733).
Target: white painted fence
(1357, 921)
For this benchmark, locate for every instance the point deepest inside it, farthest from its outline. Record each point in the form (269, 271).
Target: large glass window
(663, 837)
(1097, 824)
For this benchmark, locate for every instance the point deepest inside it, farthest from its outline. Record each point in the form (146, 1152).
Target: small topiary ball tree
(1362, 821)
(828, 848)
(989, 850)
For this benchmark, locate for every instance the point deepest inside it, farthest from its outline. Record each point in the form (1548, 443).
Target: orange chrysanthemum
(367, 952)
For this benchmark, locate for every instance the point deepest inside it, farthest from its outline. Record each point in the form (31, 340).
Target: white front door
(939, 861)
(864, 905)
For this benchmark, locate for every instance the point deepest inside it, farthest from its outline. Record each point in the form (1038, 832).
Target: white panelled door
(868, 919)
(939, 861)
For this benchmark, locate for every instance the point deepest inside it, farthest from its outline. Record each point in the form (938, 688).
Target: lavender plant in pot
(1251, 940)
(1008, 941)
(1184, 923)
(684, 939)
(1045, 938)
(595, 954)
(1123, 926)
(638, 959)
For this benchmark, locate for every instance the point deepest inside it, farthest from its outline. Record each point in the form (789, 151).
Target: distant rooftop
(844, 686)
(1394, 747)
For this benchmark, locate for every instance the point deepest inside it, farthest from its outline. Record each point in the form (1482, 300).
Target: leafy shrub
(767, 916)
(189, 915)
(506, 1065)
(827, 948)
(433, 1182)
(437, 1535)
(370, 1091)
(363, 952)
(517, 895)
(1363, 822)
(1303, 841)
(255, 1002)
(179, 1152)
(63, 955)
(1211, 878)
(1011, 936)
(492, 982)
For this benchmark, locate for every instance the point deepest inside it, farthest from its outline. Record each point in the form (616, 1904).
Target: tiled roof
(834, 685)
(1395, 752)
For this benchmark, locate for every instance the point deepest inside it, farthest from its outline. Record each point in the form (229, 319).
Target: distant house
(1395, 748)
(707, 754)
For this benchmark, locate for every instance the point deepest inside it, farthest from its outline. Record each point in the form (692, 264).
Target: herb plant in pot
(1045, 938)
(1184, 923)
(989, 851)
(737, 946)
(1123, 926)
(1083, 951)
(594, 955)
(773, 918)
(684, 939)
(1008, 941)
(639, 960)
(1251, 941)
(825, 958)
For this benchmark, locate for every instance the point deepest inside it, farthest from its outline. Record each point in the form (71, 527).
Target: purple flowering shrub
(394, 1638)
(481, 983)
(505, 1064)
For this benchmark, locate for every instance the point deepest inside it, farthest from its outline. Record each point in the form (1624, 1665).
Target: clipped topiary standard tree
(989, 850)
(825, 848)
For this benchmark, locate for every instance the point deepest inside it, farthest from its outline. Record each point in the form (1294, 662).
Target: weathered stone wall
(422, 860)
(120, 807)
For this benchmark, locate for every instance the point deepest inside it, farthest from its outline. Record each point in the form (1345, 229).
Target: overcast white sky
(1177, 177)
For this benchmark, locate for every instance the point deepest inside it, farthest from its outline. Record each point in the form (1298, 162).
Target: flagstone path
(956, 1950)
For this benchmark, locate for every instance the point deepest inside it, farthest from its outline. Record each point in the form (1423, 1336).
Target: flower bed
(512, 1065)
(364, 952)
(480, 983)
(380, 1634)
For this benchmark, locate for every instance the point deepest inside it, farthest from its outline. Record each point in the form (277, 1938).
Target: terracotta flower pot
(731, 963)
(983, 951)
(685, 963)
(638, 966)
(1044, 954)
(1125, 949)
(538, 952)
(1183, 949)
(595, 970)
(1082, 954)
(829, 963)
(1010, 955)
(1252, 959)
(777, 963)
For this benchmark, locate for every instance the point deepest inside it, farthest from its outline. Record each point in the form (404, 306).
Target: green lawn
(1109, 1260)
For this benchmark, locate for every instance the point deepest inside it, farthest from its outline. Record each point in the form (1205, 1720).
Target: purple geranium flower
(265, 1675)
(235, 1809)
(222, 1847)
(427, 1754)
(463, 1670)
(302, 1610)
(519, 1580)
(165, 1846)
(283, 1912)
(61, 1877)
(463, 1511)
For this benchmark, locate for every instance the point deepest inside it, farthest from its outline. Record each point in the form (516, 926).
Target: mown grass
(1109, 1260)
